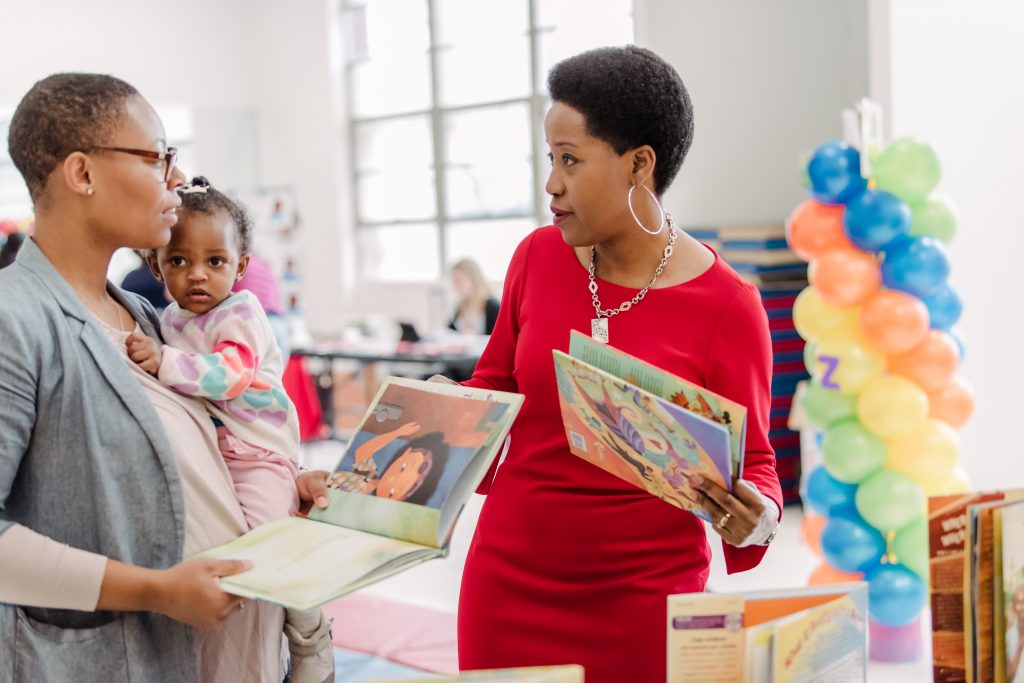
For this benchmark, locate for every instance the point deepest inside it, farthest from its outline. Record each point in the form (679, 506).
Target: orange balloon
(931, 364)
(846, 277)
(813, 228)
(811, 531)
(894, 322)
(826, 573)
(953, 402)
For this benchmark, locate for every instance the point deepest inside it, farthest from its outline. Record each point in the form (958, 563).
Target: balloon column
(882, 347)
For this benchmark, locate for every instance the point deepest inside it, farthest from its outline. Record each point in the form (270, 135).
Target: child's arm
(239, 341)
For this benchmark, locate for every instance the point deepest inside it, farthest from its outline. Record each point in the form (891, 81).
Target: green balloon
(805, 176)
(934, 217)
(825, 407)
(908, 168)
(889, 500)
(911, 547)
(852, 453)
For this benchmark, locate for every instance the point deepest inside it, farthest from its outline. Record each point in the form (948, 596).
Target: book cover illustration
(638, 437)
(1012, 546)
(421, 451)
(687, 395)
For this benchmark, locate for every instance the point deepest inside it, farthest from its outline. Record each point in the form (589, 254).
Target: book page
(686, 394)
(823, 643)
(301, 564)
(638, 437)
(405, 470)
(705, 638)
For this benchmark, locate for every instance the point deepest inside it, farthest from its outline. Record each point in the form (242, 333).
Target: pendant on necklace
(599, 329)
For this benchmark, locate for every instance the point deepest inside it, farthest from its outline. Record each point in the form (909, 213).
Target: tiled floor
(788, 564)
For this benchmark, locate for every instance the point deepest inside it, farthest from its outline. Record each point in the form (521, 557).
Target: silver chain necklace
(599, 325)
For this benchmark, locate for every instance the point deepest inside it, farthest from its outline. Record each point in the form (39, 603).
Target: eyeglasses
(170, 157)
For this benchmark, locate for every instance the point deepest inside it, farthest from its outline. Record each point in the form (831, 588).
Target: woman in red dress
(570, 564)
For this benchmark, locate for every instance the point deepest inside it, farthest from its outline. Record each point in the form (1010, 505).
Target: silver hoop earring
(661, 211)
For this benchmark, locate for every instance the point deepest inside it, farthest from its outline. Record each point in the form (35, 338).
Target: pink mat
(408, 634)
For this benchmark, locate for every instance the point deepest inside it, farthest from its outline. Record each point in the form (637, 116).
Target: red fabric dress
(569, 564)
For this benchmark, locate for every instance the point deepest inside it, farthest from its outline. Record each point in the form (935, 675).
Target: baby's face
(201, 263)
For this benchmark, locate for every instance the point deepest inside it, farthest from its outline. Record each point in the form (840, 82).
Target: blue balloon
(834, 172)
(895, 595)
(915, 265)
(874, 219)
(827, 495)
(850, 544)
(944, 307)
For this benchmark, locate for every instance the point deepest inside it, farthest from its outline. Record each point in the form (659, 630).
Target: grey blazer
(84, 460)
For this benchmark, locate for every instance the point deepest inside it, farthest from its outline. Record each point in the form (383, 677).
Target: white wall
(957, 80)
(768, 81)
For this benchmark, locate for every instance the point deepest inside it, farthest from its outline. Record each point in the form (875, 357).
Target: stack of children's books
(802, 635)
(760, 254)
(976, 568)
(395, 495)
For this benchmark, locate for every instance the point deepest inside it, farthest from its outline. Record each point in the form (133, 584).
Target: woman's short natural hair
(629, 97)
(61, 114)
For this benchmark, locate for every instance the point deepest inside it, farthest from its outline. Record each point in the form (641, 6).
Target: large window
(446, 103)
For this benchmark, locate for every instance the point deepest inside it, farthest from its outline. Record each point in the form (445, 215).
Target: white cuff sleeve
(766, 523)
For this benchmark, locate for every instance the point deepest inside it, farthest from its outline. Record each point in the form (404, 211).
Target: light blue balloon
(896, 595)
(834, 173)
(944, 307)
(915, 265)
(875, 218)
(850, 544)
(827, 495)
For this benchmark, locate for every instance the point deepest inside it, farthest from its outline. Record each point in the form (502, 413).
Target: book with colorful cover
(419, 453)
(1010, 594)
(798, 635)
(981, 583)
(949, 543)
(645, 426)
(568, 673)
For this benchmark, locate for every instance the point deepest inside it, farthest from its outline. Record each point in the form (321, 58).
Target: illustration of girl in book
(411, 474)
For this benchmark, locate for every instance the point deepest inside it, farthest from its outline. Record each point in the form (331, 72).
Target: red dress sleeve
(495, 368)
(739, 365)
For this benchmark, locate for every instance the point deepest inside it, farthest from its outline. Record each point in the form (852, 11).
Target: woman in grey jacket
(97, 506)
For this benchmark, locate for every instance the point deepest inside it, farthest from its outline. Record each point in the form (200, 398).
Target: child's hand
(312, 487)
(145, 352)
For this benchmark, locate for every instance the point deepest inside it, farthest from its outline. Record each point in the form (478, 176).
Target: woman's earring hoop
(661, 211)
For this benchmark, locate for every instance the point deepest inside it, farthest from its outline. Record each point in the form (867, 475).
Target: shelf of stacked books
(760, 255)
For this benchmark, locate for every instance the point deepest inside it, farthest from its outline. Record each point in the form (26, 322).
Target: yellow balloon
(892, 406)
(957, 482)
(934, 448)
(846, 365)
(817, 320)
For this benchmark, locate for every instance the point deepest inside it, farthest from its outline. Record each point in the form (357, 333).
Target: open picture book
(799, 635)
(647, 426)
(419, 453)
